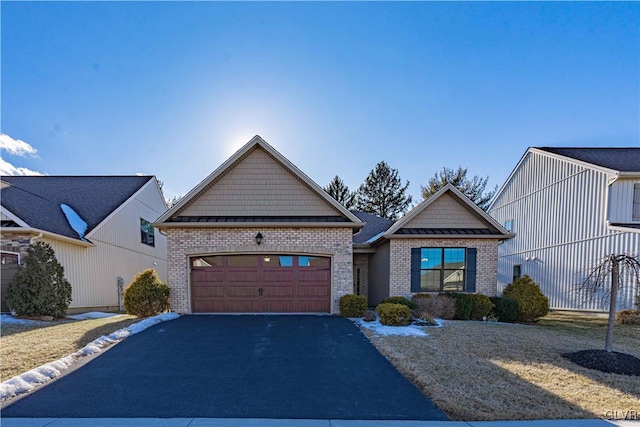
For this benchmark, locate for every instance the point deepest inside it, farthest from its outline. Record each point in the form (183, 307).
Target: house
(568, 209)
(258, 235)
(99, 226)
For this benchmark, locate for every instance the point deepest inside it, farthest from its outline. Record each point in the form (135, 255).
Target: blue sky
(173, 89)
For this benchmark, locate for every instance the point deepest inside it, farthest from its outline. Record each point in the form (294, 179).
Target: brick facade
(185, 242)
(486, 262)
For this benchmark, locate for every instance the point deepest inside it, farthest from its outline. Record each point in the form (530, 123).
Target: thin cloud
(16, 146)
(8, 169)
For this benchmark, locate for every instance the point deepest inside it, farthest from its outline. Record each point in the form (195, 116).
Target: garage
(260, 283)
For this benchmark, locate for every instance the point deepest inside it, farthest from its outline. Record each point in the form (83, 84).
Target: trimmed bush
(147, 295)
(506, 308)
(353, 305)
(39, 287)
(401, 300)
(438, 306)
(482, 307)
(394, 314)
(464, 304)
(417, 297)
(628, 317)
(532, 304)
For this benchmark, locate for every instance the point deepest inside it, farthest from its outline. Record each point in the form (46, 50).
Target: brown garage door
(260, 283)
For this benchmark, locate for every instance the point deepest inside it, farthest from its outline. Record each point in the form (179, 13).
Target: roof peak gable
(227, 167)
(460, 198)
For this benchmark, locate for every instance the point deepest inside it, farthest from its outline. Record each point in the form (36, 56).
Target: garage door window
(243, 261)
(208, 261)
(312, 261)
(277, 261)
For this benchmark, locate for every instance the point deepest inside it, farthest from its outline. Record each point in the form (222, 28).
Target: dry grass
(493, 371)
(24, 347)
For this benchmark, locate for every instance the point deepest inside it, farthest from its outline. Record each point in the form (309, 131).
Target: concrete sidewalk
(255, 422)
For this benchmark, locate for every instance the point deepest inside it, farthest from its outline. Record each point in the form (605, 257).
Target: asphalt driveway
(302, 367)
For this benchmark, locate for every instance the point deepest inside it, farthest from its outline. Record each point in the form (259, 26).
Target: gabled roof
(619, 159)
(374, 226)
(614, 160)
(489, 227)
(189, 210)
(36, 200)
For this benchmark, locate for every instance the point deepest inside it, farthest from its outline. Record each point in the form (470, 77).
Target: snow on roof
(75, 221)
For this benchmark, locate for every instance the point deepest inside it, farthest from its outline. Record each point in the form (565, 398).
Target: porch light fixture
(258, 238)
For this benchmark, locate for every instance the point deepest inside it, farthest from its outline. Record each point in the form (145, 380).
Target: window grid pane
(442, 269)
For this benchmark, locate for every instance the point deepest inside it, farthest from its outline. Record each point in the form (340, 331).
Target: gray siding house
(568, 209)
(258, 235)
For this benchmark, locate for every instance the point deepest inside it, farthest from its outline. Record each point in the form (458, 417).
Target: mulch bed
(605, 361)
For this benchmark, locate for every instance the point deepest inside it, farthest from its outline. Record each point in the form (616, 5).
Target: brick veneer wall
(486, 262)
(185, 242)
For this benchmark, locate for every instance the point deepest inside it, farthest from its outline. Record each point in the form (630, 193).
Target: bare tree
(473, 188)
(607, 278)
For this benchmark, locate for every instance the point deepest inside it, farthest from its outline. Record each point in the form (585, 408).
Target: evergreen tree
(383, 194)
(40, 288)
(472, 188)
(339, 191)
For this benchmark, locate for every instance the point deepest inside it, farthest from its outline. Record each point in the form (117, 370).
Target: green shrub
(506, 308)
(439, 306)
(418, 297)
(482, 307)
(532, 304)
(628, 317)
(39, 287)
(464, 304)
(147, 295)
(394, 314)
(401, 300)
(353, 305)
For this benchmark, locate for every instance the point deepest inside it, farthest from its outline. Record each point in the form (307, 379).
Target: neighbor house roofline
(49, 234)
(15, 218)
(615, 173)
(257, 141)
(152, 178)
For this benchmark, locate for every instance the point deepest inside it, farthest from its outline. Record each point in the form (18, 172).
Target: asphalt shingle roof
(374, 226)
(619, 159)
(37, 199)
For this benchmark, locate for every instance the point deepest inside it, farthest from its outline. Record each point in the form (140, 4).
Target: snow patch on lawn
(380, 329)
(92, 315)
(7, 319)
(38, 376)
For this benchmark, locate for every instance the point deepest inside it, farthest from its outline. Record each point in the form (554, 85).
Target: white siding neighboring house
(568, 209)
(118, 241)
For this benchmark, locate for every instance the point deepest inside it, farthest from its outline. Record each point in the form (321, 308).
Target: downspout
(34, 238)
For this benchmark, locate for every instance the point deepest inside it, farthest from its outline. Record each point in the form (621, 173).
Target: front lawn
(24, 347)
(497, 371)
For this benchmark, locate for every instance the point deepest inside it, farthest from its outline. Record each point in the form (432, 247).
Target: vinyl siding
(93, 271)
(559, 213)
(379, 271)
(259, 186)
